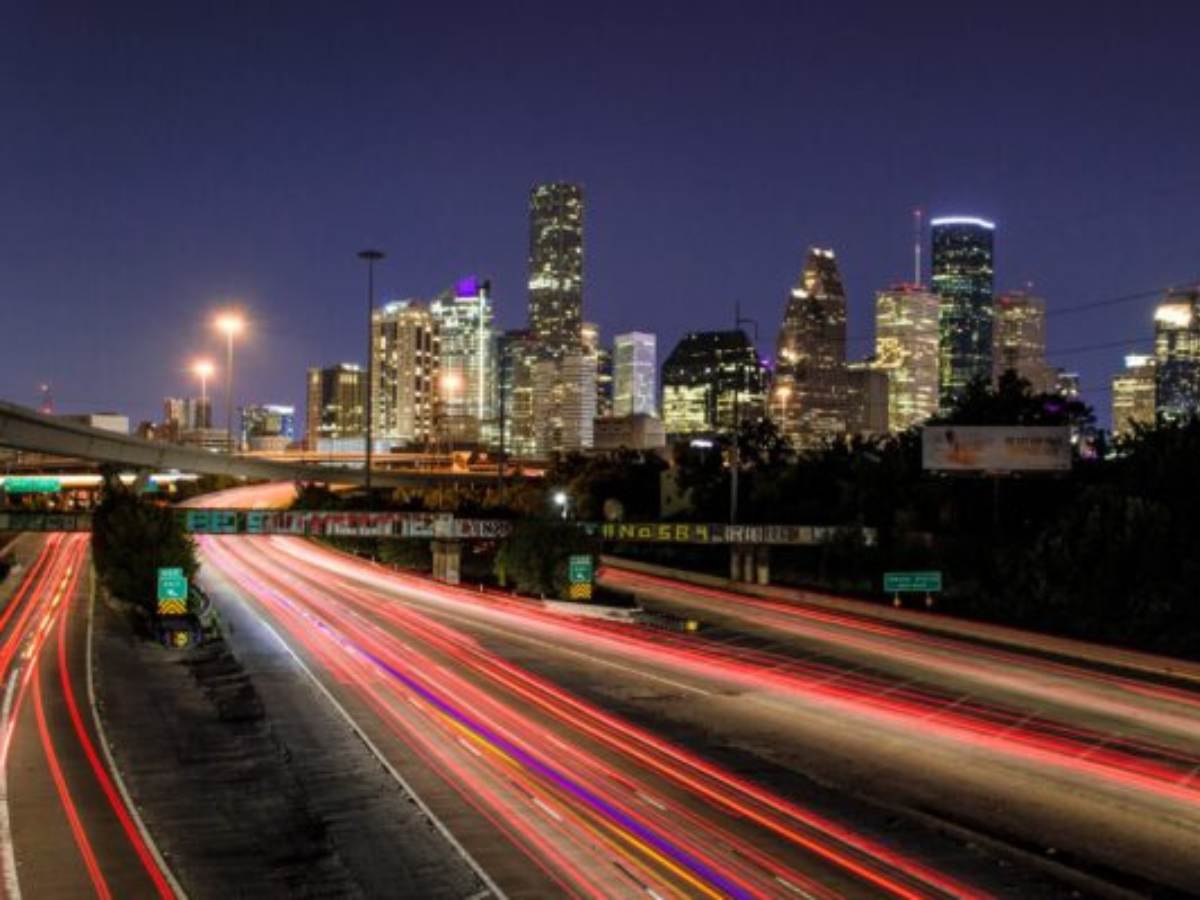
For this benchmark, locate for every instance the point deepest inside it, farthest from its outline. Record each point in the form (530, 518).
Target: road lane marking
(109, 761)
(377, 753)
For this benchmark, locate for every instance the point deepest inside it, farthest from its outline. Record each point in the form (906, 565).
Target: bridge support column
(762, 565)
(447, 557)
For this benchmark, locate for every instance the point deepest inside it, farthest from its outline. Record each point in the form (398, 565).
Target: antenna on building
(47, 403)
(917, 246)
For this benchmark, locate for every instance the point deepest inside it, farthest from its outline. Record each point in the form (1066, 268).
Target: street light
(231, 324)
(204, 369)
(562, 500)
(370, 257)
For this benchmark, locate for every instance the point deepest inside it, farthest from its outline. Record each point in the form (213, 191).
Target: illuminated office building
(404, 341)
(336, 404)
(1177, 355)
(604, 368)
(710, 380)
(268, 426)
(962, 266)
(906, 348)
(635, 363)
(808, 396)
(517, 354)
(556, 268)
(1020, 340)
(466, 364)
(1133, 394)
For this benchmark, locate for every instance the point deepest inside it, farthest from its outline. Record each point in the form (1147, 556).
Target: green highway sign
(580, 569)
(23, 484)
(912, 582)
(172, 585)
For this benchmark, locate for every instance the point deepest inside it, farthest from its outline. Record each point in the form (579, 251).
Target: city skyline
(669, 230)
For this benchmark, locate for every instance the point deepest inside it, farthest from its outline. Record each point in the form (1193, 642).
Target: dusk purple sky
(159, 159)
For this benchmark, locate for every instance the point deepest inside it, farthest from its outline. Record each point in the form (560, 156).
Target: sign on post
(172, 592)
(581, 570)
(927, 583)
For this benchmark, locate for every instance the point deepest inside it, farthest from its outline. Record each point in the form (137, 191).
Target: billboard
(996, 448)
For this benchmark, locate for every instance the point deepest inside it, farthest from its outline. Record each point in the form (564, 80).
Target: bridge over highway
(22, 428)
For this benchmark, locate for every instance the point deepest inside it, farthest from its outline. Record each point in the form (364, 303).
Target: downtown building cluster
(1165, 383)
(444, 377)
(930, 343)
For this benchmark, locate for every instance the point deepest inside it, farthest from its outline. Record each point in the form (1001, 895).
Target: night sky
(158, 160)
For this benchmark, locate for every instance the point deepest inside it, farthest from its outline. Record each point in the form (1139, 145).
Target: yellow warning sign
(581, 591)
(172, 607)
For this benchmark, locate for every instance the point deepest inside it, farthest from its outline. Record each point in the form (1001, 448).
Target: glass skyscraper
(708, 375)
(808, 397)
(906, 347)
(635, 360)
(466, 363)
(556, 268)
(962, 276)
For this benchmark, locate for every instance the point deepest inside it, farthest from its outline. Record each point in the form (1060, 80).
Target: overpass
(22, 428)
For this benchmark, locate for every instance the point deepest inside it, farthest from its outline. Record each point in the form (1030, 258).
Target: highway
(548, 792)
(65, 830)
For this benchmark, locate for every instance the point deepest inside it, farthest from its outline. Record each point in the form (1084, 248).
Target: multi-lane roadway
(66, 826)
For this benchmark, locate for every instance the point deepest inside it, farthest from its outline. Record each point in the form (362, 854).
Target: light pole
(204, 370)
(230, 324)
(371, 257)
(735, 455)
(563, 501)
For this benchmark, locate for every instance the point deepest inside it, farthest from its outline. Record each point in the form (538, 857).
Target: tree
(132, 538)
(533, 559)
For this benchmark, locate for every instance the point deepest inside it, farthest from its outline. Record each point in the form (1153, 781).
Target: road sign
(912, 582)
(24, 484)
(172, 592)
(580, 571)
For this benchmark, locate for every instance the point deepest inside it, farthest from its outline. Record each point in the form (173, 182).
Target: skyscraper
(517, 353)
(1177, 354)
(268, 426)
(635, 360)
(866, 399)
(405, 343)
(962, 277)
(1020, 339)
(808, 397)
(604, 368)
(466, 363)
(906, 348)
(337, 399)
(556, 267)
(706, 377)
(1133, 394)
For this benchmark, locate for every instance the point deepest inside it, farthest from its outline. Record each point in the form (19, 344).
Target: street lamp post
(562, 500)
(371, 257)
(735, 454)
(230, 324)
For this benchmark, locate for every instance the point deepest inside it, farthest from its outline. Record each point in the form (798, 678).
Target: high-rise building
(604, 368)
(808, 397)
(1020, 340)
(1177, 354)
(517, 354)
(866, 399)
(635, 368)
(337, 400)
(710, 380)
(268, 426)
(564, 402)
(906, 348)
(1133, 394)
(466, 363)
(556, 267)
(404, 340)
(963, 277)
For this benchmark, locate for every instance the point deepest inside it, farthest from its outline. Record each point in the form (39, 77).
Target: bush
(131, 539)
(533, 559)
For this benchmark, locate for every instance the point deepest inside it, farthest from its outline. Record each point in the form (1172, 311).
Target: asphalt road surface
(65, 829)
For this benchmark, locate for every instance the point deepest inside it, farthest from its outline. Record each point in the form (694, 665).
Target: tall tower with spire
(808, 397)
